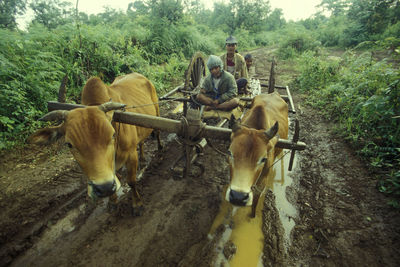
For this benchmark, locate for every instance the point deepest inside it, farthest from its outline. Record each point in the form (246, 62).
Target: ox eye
(68, 145)
(263, 160)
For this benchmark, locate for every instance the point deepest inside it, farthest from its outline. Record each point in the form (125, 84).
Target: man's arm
(244, 73)
(231, 92)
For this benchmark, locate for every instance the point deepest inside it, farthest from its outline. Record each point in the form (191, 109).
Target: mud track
(341, 219)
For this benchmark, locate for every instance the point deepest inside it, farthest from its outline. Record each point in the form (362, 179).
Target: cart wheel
(195, 72)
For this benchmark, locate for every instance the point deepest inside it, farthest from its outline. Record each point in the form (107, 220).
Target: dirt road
(341, 219)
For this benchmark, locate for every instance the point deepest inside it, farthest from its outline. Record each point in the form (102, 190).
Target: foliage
(331, 33)
(9, 9)
(34, 63)
(362, 96)
(51, 13)
(29, 75)
(296, 40)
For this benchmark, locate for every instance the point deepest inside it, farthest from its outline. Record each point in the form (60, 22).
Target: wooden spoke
(195, 72)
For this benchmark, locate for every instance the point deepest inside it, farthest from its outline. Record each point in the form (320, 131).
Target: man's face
(249, 63)
(230, 48)
(216, 72)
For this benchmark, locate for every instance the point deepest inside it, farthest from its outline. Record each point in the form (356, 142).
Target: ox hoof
(137, 211)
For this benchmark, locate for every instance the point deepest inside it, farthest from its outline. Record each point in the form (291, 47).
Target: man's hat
(214, 61)
(231, 40)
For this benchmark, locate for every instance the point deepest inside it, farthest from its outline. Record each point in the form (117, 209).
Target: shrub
(362, 95)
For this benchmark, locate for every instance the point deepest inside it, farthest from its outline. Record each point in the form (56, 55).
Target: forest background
(360, 90)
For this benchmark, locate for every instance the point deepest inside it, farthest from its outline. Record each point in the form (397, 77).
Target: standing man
(219, 89)
(235, 64)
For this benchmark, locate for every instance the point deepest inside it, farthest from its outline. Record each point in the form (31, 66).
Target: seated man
(219, 89)
(235, 64)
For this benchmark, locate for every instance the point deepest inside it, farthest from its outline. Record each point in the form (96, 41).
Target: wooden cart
(191, 129)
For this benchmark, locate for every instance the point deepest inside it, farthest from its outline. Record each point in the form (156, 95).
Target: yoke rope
(263, 172)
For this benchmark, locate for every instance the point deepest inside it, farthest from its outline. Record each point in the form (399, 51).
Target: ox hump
(256, 118)
(95, 92)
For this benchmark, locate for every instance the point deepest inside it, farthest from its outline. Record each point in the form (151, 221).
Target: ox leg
(156, 133)
(137, 204)
(142, 160)
(160, 146)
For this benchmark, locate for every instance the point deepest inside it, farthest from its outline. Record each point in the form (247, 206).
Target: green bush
(362, 95)
(296, 40)
(34, 63)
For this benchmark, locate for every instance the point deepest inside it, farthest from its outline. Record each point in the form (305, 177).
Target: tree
(138, 7)
(275, 20)
(368, 19)
(250, 14)
(9, 9)
(169, 10)
(336, 7)
(222, 17)
(52, 13)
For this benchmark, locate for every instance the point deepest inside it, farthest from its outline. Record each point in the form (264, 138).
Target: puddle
(245, 232)
(278, 185)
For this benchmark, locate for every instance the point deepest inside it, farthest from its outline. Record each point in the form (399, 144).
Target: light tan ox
(93, 137)
(253, 147)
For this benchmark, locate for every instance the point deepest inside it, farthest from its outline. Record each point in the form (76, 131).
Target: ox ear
(106, 107)
(47, 135)
(234, 124)
(271, 132)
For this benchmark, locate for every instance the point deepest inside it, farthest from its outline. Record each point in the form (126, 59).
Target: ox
(253, 149)
(99, 145)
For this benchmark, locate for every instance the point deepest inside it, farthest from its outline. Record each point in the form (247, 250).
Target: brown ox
(253, 147)
(99, 145)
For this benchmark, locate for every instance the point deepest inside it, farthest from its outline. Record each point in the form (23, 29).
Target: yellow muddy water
(245, 232)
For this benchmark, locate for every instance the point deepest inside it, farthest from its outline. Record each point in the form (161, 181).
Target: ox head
(91, 138)
(251, 152)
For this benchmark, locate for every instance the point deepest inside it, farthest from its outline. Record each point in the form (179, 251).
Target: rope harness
(255, 187)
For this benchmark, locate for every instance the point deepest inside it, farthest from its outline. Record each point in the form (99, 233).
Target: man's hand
(215, 103)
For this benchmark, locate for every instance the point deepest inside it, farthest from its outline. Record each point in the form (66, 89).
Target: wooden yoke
(174, 126)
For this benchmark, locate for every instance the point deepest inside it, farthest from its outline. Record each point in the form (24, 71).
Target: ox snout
(239, 198)
(104, 189)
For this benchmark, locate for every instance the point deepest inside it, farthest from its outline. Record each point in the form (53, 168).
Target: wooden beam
(180, 87)
(284, 97)
(169, 125)
(290, 100)
(271, 82)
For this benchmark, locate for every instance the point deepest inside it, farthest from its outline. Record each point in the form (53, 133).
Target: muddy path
(338, 216)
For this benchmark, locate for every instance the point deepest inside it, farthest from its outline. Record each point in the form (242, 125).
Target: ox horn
(106, 107)
(56, 115)
(234, 124)
(271, 132)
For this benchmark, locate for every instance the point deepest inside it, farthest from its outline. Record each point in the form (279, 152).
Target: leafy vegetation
(157, 37)
(362, 96)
